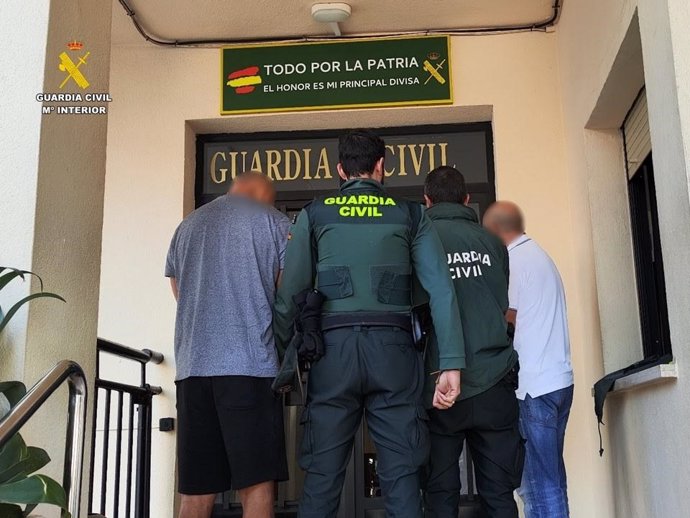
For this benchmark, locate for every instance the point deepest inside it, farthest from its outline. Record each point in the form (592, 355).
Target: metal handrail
(137, 391)
(141, 356)
(74, 452)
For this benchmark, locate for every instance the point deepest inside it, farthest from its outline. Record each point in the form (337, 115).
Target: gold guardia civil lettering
(308, 164)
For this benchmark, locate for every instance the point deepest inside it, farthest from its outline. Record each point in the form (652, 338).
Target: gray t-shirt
(225, 257)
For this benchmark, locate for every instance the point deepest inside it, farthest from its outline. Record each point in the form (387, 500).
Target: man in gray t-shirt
(224, 261)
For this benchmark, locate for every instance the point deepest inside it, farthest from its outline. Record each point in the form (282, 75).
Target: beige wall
(163, 96)
(604, 62)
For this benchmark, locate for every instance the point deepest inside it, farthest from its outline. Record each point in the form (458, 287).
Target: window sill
(652, 376)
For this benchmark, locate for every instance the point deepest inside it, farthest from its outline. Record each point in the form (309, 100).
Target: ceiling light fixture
(331, 13)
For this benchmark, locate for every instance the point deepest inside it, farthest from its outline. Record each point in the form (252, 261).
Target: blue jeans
(543, 420)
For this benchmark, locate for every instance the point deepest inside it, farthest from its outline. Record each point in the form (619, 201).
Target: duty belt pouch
(421, 326)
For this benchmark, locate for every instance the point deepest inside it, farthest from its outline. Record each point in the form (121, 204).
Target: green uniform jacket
(357, 248)
(478, 264)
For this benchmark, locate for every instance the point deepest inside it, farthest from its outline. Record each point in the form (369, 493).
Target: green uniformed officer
(486, 414)
(360, 248)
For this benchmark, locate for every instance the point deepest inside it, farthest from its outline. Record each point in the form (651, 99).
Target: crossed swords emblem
(433, 71)
(72, 69)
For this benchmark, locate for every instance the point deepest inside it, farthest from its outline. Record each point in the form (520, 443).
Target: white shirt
(541, 329)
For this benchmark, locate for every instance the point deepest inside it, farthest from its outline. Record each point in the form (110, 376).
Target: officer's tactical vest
(361, 241)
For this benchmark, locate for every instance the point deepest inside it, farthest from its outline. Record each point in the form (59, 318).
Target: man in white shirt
(538, 312)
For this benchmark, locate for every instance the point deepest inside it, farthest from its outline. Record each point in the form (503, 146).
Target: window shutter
(638, 142)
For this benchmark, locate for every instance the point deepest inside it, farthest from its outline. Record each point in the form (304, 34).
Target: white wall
(163, 96)
(52, 172)
(20, 128)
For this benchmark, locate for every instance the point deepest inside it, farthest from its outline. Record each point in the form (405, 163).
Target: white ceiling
(258, 19)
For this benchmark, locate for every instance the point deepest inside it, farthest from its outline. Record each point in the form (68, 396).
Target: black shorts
(230, 434)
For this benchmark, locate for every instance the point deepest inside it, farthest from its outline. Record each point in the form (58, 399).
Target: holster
(288, 376)
(311, 347)
(306, 345)
(422, 325)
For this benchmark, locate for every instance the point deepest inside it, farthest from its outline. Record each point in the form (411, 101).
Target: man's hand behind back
(447, 389)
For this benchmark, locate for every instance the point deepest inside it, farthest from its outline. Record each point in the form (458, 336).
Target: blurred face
(256, 189)
(492, 223)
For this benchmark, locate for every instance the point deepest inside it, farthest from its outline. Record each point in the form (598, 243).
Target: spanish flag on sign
(244, 81)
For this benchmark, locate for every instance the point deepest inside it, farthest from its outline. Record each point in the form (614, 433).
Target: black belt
(336, 321)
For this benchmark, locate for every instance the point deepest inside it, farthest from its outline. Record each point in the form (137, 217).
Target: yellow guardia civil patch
(360, 205)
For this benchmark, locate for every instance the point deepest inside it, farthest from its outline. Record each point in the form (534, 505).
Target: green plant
(7, 275)
(18, 463)
(19, 483)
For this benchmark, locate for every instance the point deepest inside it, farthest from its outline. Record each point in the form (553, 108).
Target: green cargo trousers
(374, 371)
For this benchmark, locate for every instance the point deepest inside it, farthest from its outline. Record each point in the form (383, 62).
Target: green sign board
(336, 74)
